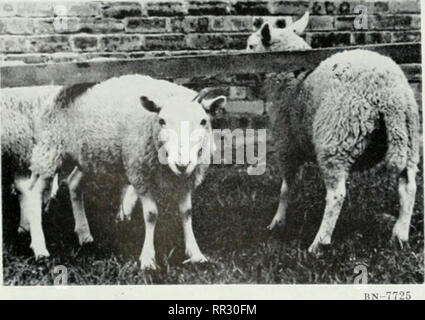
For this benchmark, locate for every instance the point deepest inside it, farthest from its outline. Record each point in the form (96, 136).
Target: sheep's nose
(181, 168)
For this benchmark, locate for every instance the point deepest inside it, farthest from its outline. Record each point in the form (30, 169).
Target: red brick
(87, 25)
(214, 8)
(361, 38)
(34, 9)
(165, 42)
(215, 41)
(85, 43)
(194, 24)
(44, 26)
(324, 7)
(249, 7)
(319, 23)
(77, 8)
(10, 44)
(237, 93)
(378, 7)
(176, 24)
(50, 9)
(231, 23)
(166, 8)
(120, 10)
(289, 7)
(16, 26)
(121, 43)
(405, 6)
(48, 44)
(352, 7)
(329, 39)
(146, 25)
(394, 22)
(406, 36)
(7, 9)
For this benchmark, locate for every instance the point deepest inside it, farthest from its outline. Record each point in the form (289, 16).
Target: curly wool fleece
(329, 115)
(21, 113)
(107, 130)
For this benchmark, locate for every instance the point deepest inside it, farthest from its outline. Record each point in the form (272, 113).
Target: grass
(231, 212)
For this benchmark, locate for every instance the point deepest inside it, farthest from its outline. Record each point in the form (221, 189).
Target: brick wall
(43, 32)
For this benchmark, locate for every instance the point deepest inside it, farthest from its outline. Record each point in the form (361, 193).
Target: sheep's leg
(24, 224)
(128, 202)
(150, 215)
(288, 177)
(280, 216)
(31, 208)
(76, 194)
(335, 195)
(407, 192)
(191, 246)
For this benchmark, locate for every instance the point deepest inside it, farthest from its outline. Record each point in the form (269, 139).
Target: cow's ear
(299, 26)
(265, 34)
(149, 104)
(212, 105)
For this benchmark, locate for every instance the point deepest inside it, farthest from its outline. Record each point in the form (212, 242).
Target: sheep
(22, 110)
(104, 129)
(351, 112)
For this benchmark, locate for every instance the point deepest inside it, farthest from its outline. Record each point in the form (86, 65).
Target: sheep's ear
(265, 34)
(212, 105)
(299, 26)
(149, 104)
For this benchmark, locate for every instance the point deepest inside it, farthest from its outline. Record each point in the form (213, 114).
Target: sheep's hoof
(148, 264)
(400, 243)
(121, 216)
(198, 258)
(316, 249)
(41, 254)
(85, 239)
(276, 222)
(400, 235)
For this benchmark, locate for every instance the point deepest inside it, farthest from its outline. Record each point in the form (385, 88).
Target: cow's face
(185, 136)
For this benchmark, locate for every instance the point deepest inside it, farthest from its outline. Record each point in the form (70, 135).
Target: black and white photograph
(225, 142)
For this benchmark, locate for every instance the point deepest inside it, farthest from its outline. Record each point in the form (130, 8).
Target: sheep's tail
(402, 126)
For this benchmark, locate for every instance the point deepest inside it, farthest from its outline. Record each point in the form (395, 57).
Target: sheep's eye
(251, 46)
(203, 122)
(161, 121)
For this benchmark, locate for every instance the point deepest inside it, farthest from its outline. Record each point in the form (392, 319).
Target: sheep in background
(22, 110)
(104, 129)
(354, 110)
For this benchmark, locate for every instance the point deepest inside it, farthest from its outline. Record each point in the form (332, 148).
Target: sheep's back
(344, 97)
(20, 113)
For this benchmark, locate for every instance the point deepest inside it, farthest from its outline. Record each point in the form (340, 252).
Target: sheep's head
(268, 38)
(185, 136)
